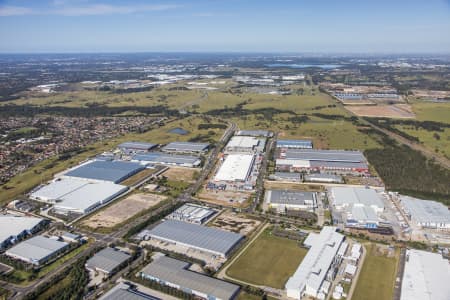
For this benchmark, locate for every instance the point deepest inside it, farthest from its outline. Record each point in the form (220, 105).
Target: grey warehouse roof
(325, 155)
(196, 236)
(137, 145)
(36, 248)
(163, 158)
(12, 226)
(174, 271)
(263, 133)
(289, 197)
(186, 146)
(114, 171)
(123, 291)
(294, 143)
(107, 260)
(426, 211)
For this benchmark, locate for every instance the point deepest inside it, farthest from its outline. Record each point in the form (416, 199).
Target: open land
(236, 223)
(403, 111)
(181, 174)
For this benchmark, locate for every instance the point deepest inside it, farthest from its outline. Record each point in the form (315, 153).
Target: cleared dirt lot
(227, 198)
(236, 223)
(181, 174)
(402, 111)
(123, 210)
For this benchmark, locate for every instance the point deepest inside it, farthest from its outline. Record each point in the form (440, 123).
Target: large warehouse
(14, 228)
(175, 273)
(101, 170)
(319, 265)
(282, 200)
(244, 144)
(125, 291)
(108, 261)
(359, 207)
(425, 213)
(236, 167)
(321, 160)
(255, 133)
(295, 144)
(206, 239)
(192, 213)
(426, 276)
(168, 159)
(71, 194)
(37, 250)
(186, 147)
(135, 147)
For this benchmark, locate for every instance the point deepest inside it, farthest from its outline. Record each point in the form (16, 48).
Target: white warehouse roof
(243, 142)
(344, 196)
(236, 167)
(425, 211)
(12, 226)
(426, 276)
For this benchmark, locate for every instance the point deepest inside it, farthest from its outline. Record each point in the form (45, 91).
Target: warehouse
(359, 207)
(318, 267)
(321, 160)
(37, 250)
(286, 176)
(284, 200)
(295, 144)
(325, 178)
(186, 147)
(14, 228)
(255, 133)
(175, 273)
(108, 261)
(101, 170)
(426, 276)
(124, 291)
(192, 213)
(73, 195)
(236, 167)
(206, 239)
(244, 144)
(136, 147)
(425, 213)
(168, 159)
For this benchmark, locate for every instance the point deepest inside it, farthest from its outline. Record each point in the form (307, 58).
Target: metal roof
(348, 195)
(288, 175)
(235, 167)
(325, 155)
(426, 211)
(123, 291)
(255, 133)
(192, 213)
(114, 171)
(204, 238)
(107, 260)
(426, 276)
(338, 165)
(174, 271)
(137, 145)
(186, 146)
(294, 144)
(163, 158)
(243, 142)
(12, 226)
(36, 248)
(289, 197)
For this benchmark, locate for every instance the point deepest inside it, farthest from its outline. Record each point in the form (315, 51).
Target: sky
(295, 26)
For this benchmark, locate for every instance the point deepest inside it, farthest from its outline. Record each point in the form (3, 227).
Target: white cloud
(7, 11)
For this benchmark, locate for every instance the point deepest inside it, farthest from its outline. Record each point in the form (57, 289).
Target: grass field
(377, 277)
(269, 261)
(428, 111)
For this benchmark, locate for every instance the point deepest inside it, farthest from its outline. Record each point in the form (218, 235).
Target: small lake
(179, 131)
(303, 66)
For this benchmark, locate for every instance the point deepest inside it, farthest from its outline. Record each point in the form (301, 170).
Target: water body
(303, 66)
(179, 131)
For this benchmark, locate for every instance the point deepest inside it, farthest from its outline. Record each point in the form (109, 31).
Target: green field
(269, 261)
(377, 277)
(429, 111)
(438, 141)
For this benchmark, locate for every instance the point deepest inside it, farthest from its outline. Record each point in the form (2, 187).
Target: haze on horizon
(323, 26)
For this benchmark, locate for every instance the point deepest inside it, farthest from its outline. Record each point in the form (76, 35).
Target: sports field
(269, 261)
(377, 277)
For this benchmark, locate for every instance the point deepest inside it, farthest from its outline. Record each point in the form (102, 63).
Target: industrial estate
(248, 191)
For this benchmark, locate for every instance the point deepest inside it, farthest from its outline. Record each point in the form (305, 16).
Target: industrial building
(426, 213)
(284, 200)
(295, 144)
(206, 239)
(245, 144)
(319, 267)
(323, 177)
(135, 147)
(101, 170)
(125, 291)
(108, 261)
(74, 195)
(14, 228)
(186, 147)
(192, 213)
(236, 167)
(168, 159)
(426, 276)
(37, 250)
(359, 206)
(286, 176)
(255, 133)
(296, 160)
(175, 273)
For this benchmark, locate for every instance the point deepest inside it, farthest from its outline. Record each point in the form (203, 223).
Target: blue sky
(371, 26)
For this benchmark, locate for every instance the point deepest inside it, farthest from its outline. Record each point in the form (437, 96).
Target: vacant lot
(402, 111)
(236, 223)
(123, 210)
(181, 174)
(226, 198)
(377, 277)
(268, 261)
